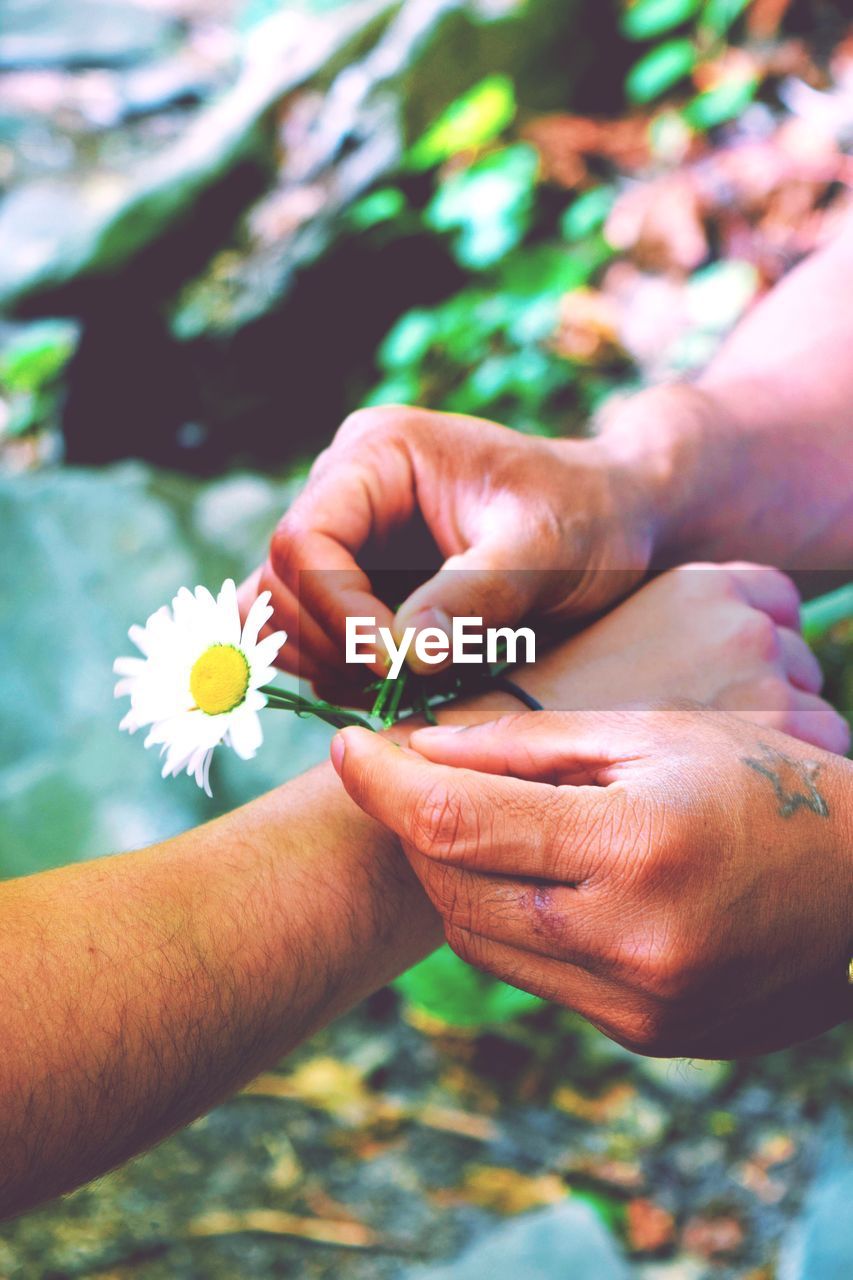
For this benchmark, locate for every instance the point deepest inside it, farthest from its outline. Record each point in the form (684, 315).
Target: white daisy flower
(198, 681)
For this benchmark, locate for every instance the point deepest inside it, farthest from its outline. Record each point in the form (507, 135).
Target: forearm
(140, 990)
(756, 458)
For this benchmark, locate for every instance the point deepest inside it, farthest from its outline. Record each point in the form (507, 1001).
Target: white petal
(244, 732)
(267, 650)
(229, 612)
(255, 700)
(129, 666)
(256, 619)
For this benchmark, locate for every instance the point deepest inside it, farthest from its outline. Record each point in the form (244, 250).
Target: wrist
(676, 449)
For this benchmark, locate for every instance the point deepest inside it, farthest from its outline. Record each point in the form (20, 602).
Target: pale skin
(705, 950)
(139, 990)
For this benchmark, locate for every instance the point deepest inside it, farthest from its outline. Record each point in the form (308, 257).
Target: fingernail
(438, 731)
(337, 751)
(430, 618)
(435, 619)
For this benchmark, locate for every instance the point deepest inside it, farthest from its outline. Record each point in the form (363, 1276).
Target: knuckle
(646, 1029)
(661, 962)
(777, 699)
(287, 548)
(435, 820)
(787, 589)
(382, 420)
(470, 947)
(757, 637)
(451, 897)
(325, 458)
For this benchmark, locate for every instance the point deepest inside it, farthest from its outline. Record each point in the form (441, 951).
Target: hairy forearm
(140, 990)
(756, 458)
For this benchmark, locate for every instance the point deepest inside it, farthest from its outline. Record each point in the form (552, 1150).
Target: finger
(309, 651)
(769, 590)
(578, 747)
(474, 584)
(619, 1014)
(777, 705)
(473, 819)
(799, 663)
(815, 721)
(330, 588)
(537, 916)
(314, 549)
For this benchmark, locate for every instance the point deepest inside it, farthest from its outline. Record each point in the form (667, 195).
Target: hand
(725, 636)
(568, 513)
(680, 878)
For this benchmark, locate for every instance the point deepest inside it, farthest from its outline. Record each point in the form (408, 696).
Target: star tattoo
(793, 781)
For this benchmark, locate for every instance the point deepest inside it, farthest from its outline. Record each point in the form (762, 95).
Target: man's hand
(680, 878)
(566, 514)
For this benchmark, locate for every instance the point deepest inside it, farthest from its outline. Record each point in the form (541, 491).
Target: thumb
(577, 747)
(474, 584)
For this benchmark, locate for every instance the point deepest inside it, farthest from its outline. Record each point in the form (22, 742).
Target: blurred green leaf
(471, 121)
(35, 357)
(716, 106)
(380, 206)
(445, 987)
(648, 18)
(609, 1209)
(587, 213)
(660, 69)
(546, 270)
(410, 339)
(718, 15)
(402, 388)
(23, 415)
(490, 204)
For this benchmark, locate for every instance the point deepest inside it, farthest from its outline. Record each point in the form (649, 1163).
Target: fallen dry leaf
(274, 1222)
(504, 1190)
(564, 142)
(661, 223)
(603, 1109)
(713, 1237)
(588, 327)
(650, 1227)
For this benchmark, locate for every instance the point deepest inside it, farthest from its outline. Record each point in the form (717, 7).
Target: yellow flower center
(219, 679)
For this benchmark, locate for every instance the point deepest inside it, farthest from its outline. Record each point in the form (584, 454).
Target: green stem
(821, 615)
(337, 717)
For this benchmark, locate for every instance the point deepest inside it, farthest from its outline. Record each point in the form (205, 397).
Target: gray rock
(86, 554)
(79, 33)
(355, 133)
(566, 1242)
(55, 233)
(819, 1246)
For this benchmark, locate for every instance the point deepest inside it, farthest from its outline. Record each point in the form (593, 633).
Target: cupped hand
(725, 636)
(570, 523)
(679, 877)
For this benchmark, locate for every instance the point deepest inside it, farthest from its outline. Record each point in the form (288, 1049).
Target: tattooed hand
(679, 877)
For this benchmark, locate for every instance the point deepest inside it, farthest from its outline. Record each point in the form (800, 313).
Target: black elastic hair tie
(509, 686)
